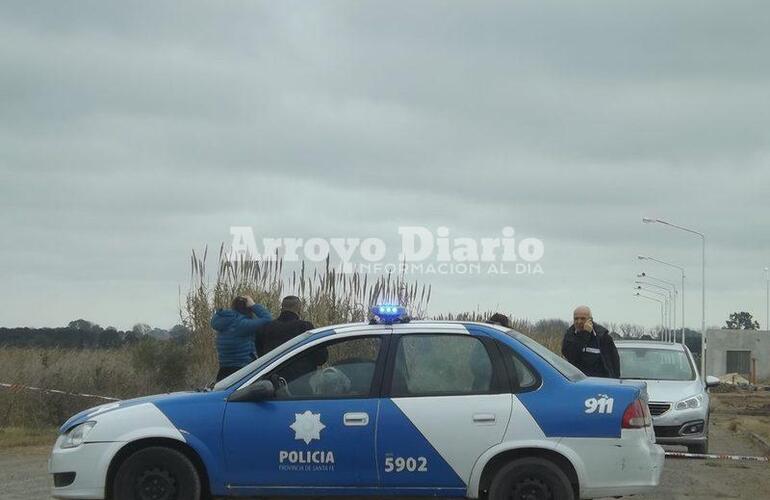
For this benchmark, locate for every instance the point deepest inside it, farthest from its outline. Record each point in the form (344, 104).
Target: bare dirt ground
(23, 471)
(716, 479)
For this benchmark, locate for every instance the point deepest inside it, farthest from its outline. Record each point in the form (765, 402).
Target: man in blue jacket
(235, 329)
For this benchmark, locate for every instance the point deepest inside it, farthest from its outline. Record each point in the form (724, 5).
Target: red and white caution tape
(677, 454)
(20, 387)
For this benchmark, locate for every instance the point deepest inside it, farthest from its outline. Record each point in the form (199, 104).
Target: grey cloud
(131, 134)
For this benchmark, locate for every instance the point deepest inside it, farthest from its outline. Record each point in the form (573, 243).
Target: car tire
(156, 473)
(531, 478)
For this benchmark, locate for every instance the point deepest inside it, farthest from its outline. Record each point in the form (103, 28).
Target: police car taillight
(636, 416)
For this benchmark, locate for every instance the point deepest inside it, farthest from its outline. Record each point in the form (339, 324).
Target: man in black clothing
(499, 319)
(284, 328)
(281, 330)
(590, 347)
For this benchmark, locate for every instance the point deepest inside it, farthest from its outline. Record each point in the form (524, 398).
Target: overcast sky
(132, 134)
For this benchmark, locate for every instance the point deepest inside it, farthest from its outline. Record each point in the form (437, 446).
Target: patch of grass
(146, 367)
(758, 425)
(14, 437)
(749, 424)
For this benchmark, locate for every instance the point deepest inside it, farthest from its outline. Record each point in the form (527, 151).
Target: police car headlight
(690, 403)
(77, 435)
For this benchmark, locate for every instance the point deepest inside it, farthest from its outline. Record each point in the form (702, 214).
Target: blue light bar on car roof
(389, 313)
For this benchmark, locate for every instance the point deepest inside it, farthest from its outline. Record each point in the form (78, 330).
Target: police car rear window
(434, 365)
(562, 365)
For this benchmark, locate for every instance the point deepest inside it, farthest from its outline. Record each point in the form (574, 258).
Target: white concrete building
(738, 351)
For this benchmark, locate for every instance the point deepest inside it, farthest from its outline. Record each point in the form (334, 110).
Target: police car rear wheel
(531, 479)
(157, 473)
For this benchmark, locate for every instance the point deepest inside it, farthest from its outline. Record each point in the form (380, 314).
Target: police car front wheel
(531, 479)
(157, 473)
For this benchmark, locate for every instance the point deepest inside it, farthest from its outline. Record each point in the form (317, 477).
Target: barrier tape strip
(677, 454)
(16, 388)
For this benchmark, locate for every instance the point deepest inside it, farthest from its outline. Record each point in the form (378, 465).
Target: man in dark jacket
(281, 330)
(284, 328)
(589, 347)
(499, 319)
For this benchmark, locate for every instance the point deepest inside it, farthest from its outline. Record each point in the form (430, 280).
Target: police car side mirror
(712, 381)
(258, 391)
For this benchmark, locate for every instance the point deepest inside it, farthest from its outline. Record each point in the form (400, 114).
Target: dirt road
(716, 479)
(23, 474)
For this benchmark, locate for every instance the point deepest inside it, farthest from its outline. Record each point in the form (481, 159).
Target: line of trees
(81, 333)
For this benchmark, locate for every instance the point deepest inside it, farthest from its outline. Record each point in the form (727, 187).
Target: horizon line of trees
(84, 334)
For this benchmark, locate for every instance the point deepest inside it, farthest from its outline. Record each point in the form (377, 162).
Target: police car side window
(337, 369)
(435, 365)
(523, 376)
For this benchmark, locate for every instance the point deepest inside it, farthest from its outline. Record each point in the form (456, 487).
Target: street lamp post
(667, 309)
(647, 220)
(670, 287)
(670, 304)
(681, 270)
(767, 298)
(660, 303)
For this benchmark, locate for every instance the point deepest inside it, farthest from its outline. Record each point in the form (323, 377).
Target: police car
(422, 408)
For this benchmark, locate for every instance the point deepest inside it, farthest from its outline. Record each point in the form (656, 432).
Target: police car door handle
(484, 418)
(356, 419)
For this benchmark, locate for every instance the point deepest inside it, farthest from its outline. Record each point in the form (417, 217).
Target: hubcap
(531, 488)
(155, 484)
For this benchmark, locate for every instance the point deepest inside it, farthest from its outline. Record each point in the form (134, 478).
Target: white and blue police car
(389, 408)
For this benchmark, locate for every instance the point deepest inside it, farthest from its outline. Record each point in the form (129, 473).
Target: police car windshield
(261, 361)
(562, 365)
(644, 363)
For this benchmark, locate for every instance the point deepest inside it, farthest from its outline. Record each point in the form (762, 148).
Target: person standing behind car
(281, 330)
(235, 328)
(285, 327)
(589, 347)
(499, 319)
